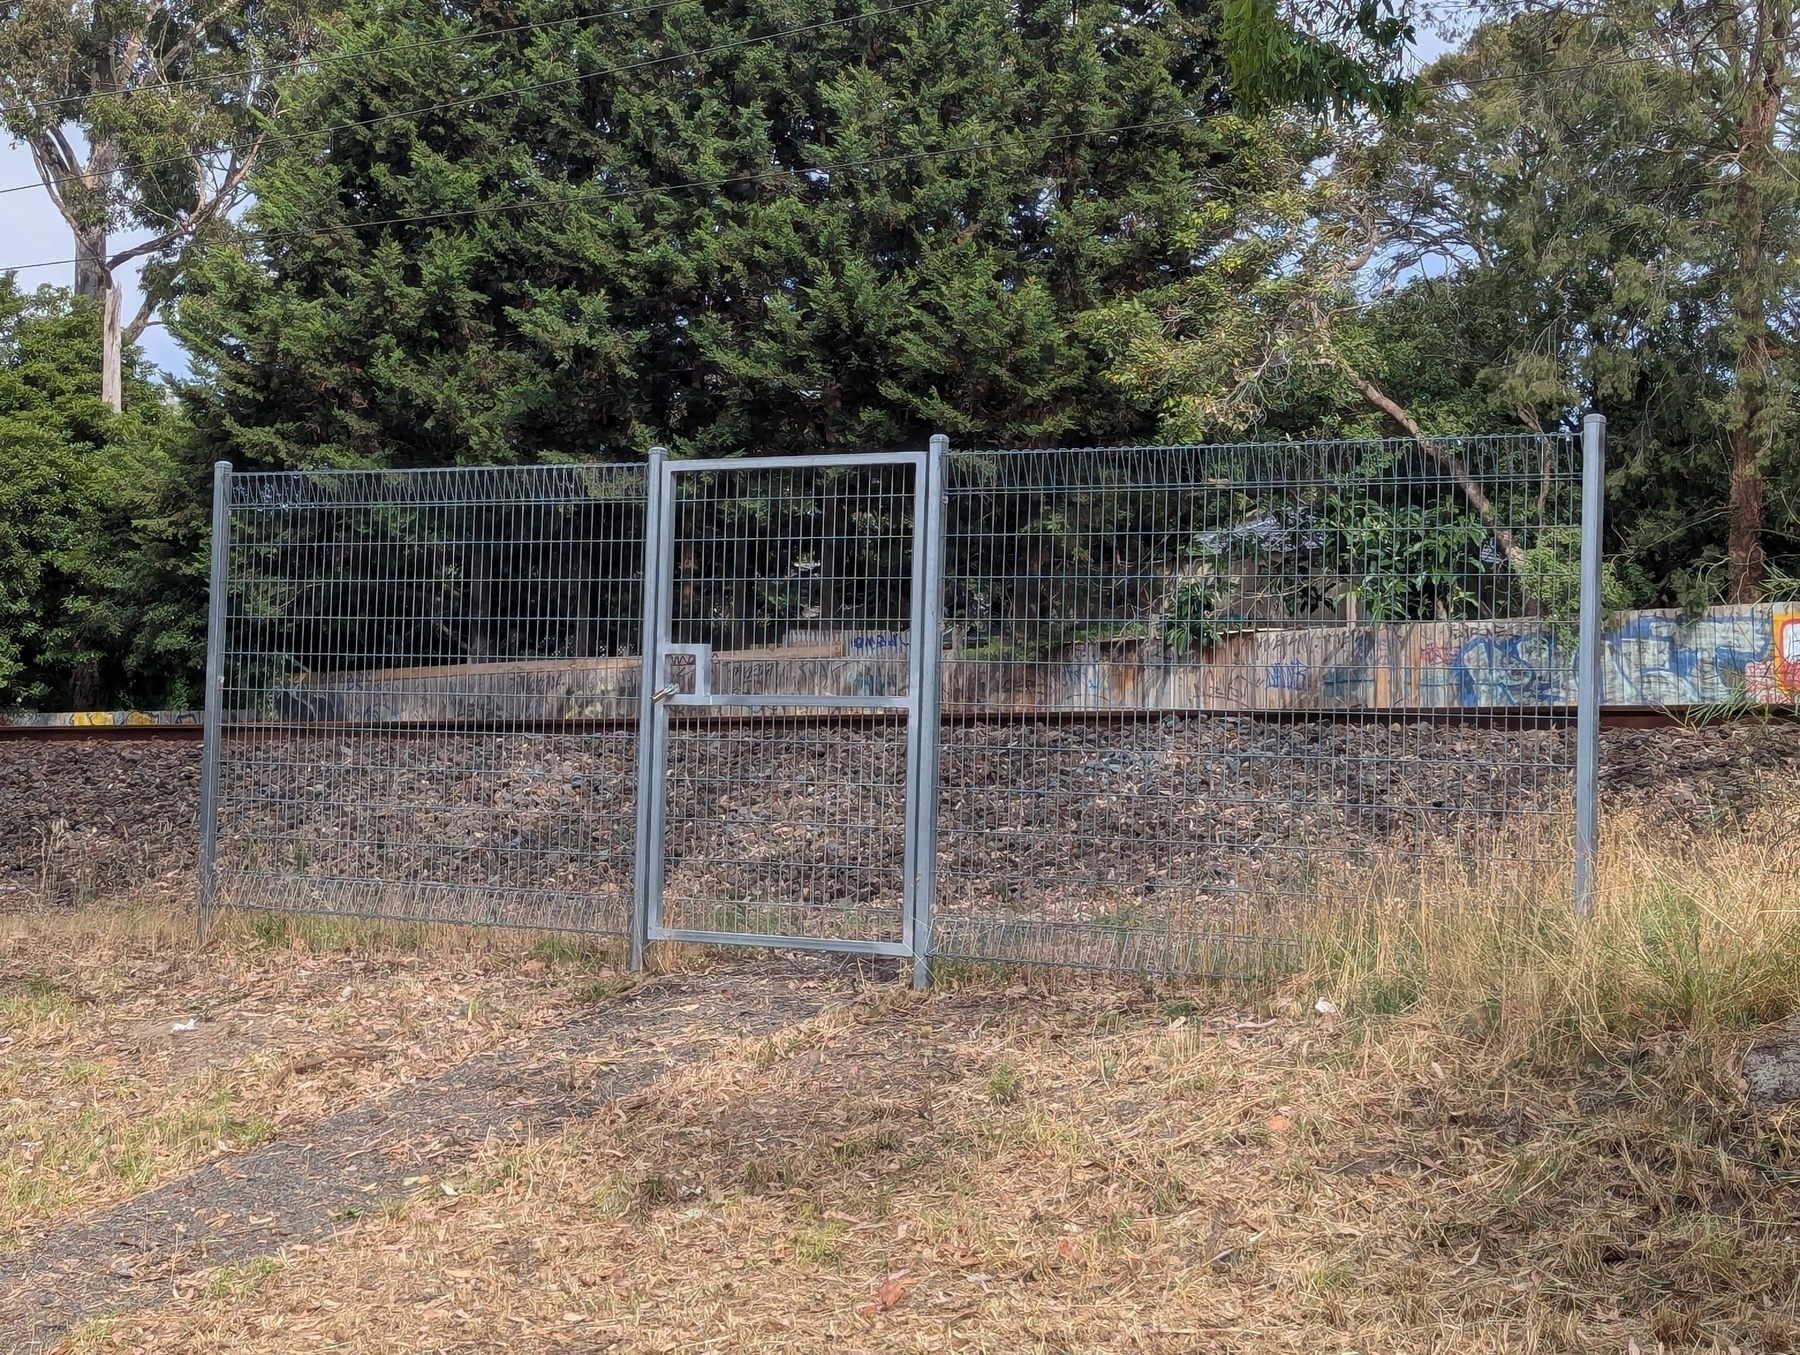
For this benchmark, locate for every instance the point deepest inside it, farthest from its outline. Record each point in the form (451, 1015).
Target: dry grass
(101, 1097)
(1510, 1135)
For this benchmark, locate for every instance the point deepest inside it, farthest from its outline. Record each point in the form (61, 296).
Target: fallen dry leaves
(127, 1058)
(1130, 1197)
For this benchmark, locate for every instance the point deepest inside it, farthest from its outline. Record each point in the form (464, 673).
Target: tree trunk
(1743, 529)
(93, 280)
(1753, 350)
(91, 275)
(111, 350)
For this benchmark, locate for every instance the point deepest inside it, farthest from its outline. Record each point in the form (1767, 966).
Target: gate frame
(925, 588)
(931, 501)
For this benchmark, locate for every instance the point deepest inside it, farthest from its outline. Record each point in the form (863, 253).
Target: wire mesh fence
(1176, 704)
(785, 766)
(428, 695)
(1195, 697)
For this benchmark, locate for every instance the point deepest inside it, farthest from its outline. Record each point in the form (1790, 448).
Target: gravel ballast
(1061, 821)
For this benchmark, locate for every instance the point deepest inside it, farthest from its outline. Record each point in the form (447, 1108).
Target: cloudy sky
(31, 232)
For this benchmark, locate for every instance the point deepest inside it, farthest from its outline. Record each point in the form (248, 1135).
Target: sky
(31, 231)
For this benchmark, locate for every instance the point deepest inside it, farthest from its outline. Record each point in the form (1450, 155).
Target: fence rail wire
(1182, 700)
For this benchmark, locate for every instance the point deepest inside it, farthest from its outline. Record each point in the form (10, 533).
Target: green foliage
(1191, 622)
(97, 592)
(1329, 55)
(1552, 575)
(141, 113)
(1407, 562)
(736, 251)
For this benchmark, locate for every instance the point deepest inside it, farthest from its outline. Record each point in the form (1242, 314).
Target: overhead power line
(321, 59)
(516, 90)
(710, 51)
(582, 197)
(579, 198)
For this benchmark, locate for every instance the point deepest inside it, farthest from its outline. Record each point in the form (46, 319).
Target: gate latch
(701, 657)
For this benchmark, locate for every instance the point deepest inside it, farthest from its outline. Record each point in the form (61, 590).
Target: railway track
(1611, 717)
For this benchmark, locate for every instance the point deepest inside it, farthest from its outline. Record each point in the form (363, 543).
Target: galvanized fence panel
(427, 696)
(1197, 698)
(1184, 707)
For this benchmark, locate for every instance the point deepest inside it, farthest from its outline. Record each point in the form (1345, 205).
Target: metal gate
(783, 749)
(1194, 705)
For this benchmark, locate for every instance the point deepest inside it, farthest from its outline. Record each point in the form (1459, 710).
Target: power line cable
(747, 42)
(643, 190)
(334, 58)
(512, 92)
(534, 204)
(708, 51)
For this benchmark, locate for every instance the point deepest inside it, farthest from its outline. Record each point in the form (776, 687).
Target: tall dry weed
(1696, 927)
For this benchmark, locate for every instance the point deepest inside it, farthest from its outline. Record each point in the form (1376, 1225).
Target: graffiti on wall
(96, 719)
(1510, 670)
(1668, 659)
(1785, 650)
(1652, 658)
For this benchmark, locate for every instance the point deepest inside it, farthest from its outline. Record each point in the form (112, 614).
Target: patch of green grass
(763, 1173)
(1391, 992)
(88, 1336)
(605, 990)
(887, 1139)
(241, 1279)
(821, 1244)
(269, 930)
(1003, 1084)
(37, 999)
(559, 949)
(109, 1148)
(1330, 1277)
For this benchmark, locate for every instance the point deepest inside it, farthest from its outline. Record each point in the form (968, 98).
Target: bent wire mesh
(430, 695)
(1201, 703)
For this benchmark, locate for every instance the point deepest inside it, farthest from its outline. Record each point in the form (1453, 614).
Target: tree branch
(141, 321)
(1472, 490)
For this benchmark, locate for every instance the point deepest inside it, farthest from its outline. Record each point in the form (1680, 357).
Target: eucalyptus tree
(1560, 204)
(141, 115)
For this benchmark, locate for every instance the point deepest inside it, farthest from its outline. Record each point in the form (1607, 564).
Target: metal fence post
(931, 671)
(1587, 676)
(654, 583)
(219, 580)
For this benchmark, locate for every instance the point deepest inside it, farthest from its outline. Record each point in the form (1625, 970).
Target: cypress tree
(515, 231)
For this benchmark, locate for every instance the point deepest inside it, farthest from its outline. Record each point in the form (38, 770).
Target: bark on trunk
(91, 277)
(1744, 514)
(1753, 360)
(112, 389)
(94, 281)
